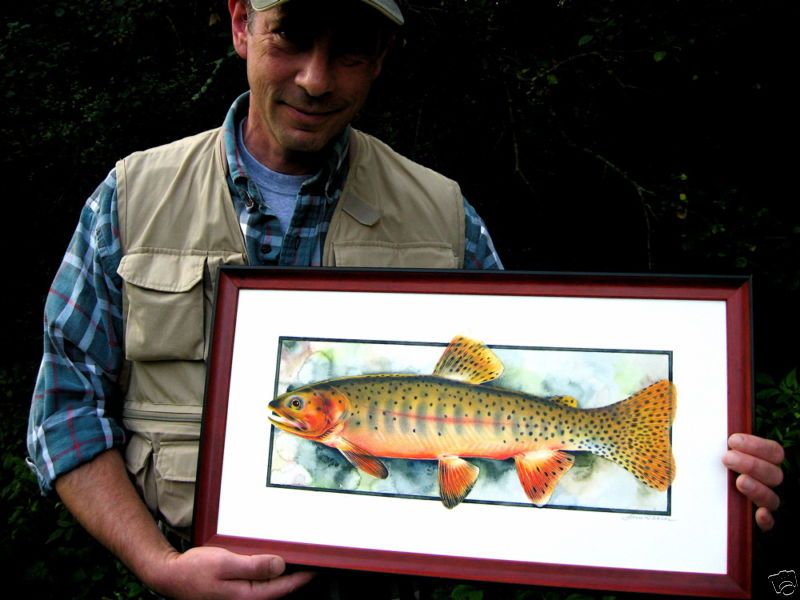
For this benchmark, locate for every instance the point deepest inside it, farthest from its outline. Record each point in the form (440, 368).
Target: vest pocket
(165, 311)
(176, 466)
(138, 455)
(164, 471)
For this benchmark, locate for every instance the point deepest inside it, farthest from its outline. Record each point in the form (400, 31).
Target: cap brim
(388, 8)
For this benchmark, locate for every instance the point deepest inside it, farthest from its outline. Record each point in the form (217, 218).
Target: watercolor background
(595, 378)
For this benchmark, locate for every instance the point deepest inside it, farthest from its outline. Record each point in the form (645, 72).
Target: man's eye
(355, 49)
(293, 39)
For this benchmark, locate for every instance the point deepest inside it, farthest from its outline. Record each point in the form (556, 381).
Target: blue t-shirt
(278, 190)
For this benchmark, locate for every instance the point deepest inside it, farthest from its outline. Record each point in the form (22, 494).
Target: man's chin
(306, 142)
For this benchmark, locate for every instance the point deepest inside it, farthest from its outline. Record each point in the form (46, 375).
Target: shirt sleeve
(479, 252)
(76, 388)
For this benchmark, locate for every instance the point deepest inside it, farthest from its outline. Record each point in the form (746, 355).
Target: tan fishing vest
(178, 225)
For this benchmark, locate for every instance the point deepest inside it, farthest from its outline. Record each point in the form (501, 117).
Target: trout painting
(460, 427)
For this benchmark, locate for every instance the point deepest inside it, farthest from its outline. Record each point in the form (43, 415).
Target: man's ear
(238, 11)
(378, 62)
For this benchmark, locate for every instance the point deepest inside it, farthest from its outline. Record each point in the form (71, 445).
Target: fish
(456, 413)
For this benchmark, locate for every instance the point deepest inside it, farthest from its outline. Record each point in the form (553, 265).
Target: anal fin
(456, 479)
(539, 472)
(362, 460)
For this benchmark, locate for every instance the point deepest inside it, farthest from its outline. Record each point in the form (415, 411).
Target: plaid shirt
(76, 401)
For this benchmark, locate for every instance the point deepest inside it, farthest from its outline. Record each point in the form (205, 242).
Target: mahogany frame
(735, 292)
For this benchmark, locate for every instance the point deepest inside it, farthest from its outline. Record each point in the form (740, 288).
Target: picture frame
(695, 331)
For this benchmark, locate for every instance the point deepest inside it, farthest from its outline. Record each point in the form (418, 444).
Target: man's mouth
(311, 114)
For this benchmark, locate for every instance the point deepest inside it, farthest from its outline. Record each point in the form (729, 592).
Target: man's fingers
(764, 519)
(277, 588)
(760, 494)
(758, 468)
(768, 450)
(259, 567)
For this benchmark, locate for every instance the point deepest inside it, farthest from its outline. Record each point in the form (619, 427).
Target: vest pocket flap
(177, 461)
(162, 272)
(165, 318)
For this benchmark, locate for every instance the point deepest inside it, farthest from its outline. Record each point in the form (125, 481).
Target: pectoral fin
(539, 472)
(362, 460)
(456, 478)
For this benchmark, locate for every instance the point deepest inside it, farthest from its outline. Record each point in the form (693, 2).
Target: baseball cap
(388, 8)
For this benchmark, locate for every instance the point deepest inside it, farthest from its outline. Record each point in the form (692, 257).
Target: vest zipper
(148, 415)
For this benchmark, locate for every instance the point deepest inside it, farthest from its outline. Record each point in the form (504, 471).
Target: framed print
(529, 428)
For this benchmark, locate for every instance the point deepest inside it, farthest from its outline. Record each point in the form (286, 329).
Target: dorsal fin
(564, 401)
(468, 361)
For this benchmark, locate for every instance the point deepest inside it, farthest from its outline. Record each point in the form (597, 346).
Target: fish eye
(296, 402)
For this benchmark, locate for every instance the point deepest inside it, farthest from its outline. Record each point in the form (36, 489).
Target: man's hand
(103, 499)
(758, 460)
(208, 572)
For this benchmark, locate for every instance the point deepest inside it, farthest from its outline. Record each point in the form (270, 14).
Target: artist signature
(646, 518)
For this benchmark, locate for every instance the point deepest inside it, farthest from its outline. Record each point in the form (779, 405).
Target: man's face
(309, 71)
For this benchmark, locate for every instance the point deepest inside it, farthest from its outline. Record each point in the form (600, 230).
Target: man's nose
(316, 75)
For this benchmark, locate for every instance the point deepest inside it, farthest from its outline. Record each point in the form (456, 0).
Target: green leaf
(585, 39)
(466, 592)
(659, 55)
(765, 379)
(54, 536)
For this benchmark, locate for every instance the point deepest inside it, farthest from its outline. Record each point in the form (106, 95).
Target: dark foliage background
(615, 136)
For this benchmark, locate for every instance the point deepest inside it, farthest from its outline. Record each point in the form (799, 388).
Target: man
(285, 181)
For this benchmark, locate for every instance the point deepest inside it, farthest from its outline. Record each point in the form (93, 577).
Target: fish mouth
(287, 423)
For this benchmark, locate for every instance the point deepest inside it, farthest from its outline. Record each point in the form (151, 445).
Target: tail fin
(639, 437)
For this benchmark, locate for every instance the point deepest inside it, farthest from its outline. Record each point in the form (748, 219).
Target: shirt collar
(327, 181)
